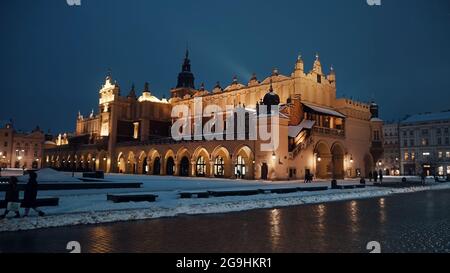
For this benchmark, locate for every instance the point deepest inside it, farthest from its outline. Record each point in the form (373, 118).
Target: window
(441, 170)
(425, 132)
(446, 131)
(438, 131)
(411, 142)
(440, 154)
(413, 156)
(6, 134)
(447, 154)
(406, 156)
(426, 154)
(447, 142)
(240, 170)
(219, 167)
(201, 166)
(404, 133)
(439, 141)
(376, 135)
(405, 143)
(448, 169)
(5, 144)
(319, 78)
(424, 141)
(411, 133)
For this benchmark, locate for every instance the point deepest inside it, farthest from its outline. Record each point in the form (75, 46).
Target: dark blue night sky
(54, 58)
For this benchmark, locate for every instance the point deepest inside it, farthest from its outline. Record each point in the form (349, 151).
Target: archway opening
(323, 161)
(170, 166)
(184, 166)
(338, 162)
(157, 166)
(264, 171)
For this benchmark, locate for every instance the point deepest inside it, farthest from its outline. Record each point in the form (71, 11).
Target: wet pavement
(416, 222)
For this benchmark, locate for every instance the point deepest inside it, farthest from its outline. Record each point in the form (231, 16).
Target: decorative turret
(132, 94)
(317, 67)
(374, 110)
(299, 65)
(254, 80)
(217, 88)
(275, 72)
(332, 76)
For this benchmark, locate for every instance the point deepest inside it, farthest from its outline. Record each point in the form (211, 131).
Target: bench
(40, 202)
(279, 190)
(138, 197)
(234, 193)
(97, 174)
(187, 195)
(320, 188)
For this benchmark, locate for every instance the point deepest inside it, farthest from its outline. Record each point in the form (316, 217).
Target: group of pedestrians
(376, 175)
(12, 199)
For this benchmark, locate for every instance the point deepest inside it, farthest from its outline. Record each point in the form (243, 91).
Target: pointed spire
(202, 87)
(132, 93)
(254, 78)
(235, 80)
(317, 56)
(146, 87)
(271, 86)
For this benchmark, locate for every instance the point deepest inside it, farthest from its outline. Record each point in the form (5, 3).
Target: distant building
(425, 144)
(391, 159)
(19, 149)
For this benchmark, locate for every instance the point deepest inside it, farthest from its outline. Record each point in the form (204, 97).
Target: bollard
(362, 181)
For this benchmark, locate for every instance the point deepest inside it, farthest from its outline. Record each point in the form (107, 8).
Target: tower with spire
(186, 80)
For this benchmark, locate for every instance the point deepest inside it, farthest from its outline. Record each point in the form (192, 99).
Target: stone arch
(201, 159)
(183, 161)
(338, 154)
(102, 164)
(323, 160)
(122, 163)
(142, 166)
(131, 163)
(153, 158)
(221, 162)
(169, 163)
(243, 159)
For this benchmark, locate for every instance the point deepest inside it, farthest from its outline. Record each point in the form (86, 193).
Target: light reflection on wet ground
(417, 222)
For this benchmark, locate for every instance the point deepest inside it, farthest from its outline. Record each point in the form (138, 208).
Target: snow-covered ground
(91, 206)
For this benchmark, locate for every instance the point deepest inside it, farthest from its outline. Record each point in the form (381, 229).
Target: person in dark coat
(370, 176)
(375, 176)
(381, 176)
(12, 198)
(29, 200)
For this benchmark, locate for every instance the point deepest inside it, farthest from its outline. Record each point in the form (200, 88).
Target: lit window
(447, 154)
(426, 154)
(441, 170)
(219, 167)
(406, 156)
(201, 166)
(413, 155)
(440, 154)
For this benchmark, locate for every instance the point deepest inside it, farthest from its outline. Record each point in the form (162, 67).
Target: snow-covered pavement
(91, 206)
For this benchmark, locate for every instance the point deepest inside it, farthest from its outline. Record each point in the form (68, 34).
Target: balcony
(329, 131)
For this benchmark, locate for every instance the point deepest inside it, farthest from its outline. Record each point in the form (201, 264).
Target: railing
(329, 131)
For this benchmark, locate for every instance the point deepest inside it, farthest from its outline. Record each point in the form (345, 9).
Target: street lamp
(319, 158)
(274, 156)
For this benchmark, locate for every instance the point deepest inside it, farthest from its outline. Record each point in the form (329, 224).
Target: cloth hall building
(319, 134)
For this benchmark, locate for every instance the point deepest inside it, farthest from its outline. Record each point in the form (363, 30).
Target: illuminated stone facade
(20, 149)
(319, 133)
